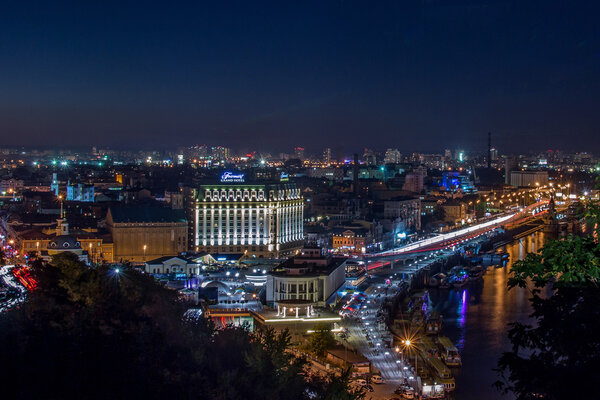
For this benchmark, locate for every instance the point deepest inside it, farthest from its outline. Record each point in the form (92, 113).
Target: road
(368, 334)
(8, 280)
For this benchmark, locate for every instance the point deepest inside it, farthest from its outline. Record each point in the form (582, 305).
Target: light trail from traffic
(488, 225)
(445, 237)
(10, 281)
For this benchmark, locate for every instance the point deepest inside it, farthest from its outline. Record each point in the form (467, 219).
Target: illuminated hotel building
(261, 220)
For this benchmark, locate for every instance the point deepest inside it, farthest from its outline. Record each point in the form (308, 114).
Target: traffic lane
(380, 353)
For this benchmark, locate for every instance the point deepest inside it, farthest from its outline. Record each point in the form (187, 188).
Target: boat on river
(495, 258)
(434, 324)
(450, 353)
(476, 272)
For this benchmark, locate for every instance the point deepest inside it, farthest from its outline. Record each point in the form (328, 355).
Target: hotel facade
(258, 220)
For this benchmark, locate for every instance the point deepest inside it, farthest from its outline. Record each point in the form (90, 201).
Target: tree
(321, 339)
(558, 356)
(98, 333)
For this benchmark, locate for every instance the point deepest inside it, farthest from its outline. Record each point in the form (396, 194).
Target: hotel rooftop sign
(230, 177)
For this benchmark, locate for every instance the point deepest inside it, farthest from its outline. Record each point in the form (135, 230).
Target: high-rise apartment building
(528, 178)
(413, 182)
(220, 153)
(327, 155)
(510, 164)
(448, 155)
(392, 156)
(299, 153)
(262, 220)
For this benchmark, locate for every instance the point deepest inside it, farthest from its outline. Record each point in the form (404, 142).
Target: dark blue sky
(417, 75)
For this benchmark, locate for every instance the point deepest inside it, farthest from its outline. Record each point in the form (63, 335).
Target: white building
(262, 220)
(528, 178)
(308, 277)
(173, 265)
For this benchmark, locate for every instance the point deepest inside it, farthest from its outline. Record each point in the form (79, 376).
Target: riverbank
(476, 318)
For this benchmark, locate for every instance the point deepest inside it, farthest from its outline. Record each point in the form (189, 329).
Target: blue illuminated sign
(228, 177)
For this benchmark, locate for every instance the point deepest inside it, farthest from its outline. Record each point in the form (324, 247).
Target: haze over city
(405, 74)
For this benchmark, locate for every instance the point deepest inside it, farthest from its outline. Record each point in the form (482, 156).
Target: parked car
(361, 382)
(377, 379)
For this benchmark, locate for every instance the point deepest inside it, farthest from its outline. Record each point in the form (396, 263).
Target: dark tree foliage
(92, 333)
(321, 340)
(558, 356)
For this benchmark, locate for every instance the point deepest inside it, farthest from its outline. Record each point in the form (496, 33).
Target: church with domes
(63, 242)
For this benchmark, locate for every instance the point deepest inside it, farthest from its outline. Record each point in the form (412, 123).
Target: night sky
(416, 75)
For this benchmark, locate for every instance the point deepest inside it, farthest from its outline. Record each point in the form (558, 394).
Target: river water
(476, 319)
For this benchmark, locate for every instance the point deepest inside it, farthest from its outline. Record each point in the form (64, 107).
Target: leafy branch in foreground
(557, 355)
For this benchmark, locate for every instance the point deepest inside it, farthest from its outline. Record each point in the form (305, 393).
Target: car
(377, 379)
(361, 382)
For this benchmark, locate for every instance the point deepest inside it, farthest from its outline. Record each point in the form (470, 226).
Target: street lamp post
(145, 253)
(408, 344)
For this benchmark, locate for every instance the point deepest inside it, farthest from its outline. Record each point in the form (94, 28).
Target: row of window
(237, 249)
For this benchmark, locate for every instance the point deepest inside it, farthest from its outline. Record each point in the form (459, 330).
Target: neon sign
(232, 177)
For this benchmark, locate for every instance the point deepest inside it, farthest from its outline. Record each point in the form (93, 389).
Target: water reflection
(476, 319)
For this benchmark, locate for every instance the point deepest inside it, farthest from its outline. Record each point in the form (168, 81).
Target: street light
(145, 253)
(408, 345)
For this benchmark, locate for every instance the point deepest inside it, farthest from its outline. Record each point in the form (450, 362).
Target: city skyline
(396, 75)
(336, 199)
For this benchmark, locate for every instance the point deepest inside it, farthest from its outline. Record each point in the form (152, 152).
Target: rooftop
(305, 266)
(146, 214)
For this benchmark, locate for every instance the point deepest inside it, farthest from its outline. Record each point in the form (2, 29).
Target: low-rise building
(173, 265)
(145, 233)
(98, 245)
(454, 211)
(63, 242)
(309, 276)
(350, 241)
(80, 192)
(407, 210)
(349, 357)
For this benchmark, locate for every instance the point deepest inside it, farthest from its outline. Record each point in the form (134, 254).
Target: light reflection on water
(476, 319)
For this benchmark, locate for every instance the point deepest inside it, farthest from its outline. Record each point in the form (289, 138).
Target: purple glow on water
(462, 317)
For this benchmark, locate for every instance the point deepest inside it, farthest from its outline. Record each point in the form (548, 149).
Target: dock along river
(476, 319)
